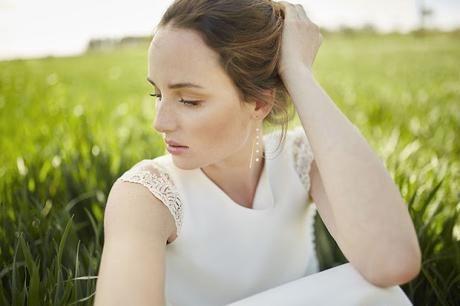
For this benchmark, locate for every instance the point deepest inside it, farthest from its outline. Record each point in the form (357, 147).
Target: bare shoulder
(136, 228)
(132, 209)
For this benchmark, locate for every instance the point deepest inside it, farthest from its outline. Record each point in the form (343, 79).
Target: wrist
(293, 73)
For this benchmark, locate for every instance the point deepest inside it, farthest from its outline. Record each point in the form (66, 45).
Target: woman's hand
(301, 39)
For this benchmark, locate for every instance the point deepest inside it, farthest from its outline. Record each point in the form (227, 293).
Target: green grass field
(71, 126)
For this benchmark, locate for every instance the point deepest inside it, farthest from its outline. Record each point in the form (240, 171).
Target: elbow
(398, 272)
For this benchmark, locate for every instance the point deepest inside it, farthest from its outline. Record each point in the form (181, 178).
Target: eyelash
(187, 102)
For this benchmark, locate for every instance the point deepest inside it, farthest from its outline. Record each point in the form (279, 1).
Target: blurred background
(52, 27)
(75, 113)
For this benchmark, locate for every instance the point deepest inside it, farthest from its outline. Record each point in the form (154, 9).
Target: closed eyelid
(158, 95)
(184, 93)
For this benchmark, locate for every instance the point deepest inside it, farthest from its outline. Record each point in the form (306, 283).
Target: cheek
(221, 128)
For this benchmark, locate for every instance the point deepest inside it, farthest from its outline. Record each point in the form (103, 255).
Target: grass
(72, 125)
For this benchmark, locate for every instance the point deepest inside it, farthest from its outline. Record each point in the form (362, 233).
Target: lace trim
(303, 156)
(161, 185)
(311, 219)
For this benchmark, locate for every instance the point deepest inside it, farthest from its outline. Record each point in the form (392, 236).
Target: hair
(246, 34)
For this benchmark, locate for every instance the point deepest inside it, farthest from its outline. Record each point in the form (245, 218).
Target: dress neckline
(263, 193)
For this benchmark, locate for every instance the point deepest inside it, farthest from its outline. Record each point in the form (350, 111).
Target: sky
(31, 28)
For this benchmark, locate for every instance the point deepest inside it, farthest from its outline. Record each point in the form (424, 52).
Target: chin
(184, 163)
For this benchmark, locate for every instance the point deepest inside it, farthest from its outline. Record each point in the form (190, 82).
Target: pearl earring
(257, 144)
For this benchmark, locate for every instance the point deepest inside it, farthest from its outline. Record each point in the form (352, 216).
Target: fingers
(289, 9)
(295, 10)
(301, 11)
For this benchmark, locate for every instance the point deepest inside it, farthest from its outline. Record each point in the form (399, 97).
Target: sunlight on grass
(72, 125)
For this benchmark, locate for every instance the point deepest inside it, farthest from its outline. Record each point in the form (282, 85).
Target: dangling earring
(257, 143)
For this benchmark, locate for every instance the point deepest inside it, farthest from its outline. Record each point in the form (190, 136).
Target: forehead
(181, 53)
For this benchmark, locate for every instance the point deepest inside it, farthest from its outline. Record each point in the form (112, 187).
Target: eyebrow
(178, 85)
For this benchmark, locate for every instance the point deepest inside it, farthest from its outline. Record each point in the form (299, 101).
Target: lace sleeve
(302, 155)
(159, 183)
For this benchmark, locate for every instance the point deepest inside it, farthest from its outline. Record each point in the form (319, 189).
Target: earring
(257, 144)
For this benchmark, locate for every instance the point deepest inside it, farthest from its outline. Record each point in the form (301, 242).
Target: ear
(262, 108)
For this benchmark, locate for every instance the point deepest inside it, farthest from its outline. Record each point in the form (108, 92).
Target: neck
(235, 177)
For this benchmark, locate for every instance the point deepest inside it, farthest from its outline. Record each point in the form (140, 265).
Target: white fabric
(225, 252)
(341, 285)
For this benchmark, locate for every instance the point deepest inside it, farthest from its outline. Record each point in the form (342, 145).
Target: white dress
(227, 253)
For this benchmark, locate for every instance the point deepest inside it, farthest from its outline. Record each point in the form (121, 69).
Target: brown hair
(247, 36)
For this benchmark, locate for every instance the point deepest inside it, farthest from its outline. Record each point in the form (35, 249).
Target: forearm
(373, 223)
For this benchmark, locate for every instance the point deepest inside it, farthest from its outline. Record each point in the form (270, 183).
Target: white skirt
(341, 285)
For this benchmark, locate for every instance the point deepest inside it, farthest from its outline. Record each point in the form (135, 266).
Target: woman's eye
(188, 102)
(155, 95)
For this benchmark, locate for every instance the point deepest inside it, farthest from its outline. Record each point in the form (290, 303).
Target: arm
(364, 208)
(371, 222)
(136, 228)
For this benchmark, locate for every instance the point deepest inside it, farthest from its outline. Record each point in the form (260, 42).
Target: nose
(164, 118)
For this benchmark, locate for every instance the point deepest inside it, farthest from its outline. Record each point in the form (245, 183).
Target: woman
(222, 219)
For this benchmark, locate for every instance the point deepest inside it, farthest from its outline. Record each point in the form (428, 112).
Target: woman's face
(218, 128)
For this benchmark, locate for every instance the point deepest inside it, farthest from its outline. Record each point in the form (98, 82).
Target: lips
(174, 144)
